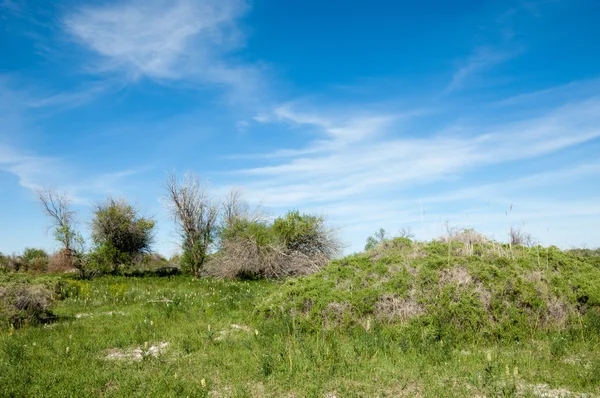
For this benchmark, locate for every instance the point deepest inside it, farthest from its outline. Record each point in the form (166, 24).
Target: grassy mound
(446, 291)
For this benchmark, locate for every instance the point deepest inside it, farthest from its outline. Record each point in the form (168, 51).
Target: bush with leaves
(306, 234)
(119, 233)
(377, 238)
(34, 260)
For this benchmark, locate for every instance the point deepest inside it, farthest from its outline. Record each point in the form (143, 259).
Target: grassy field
(182, 336)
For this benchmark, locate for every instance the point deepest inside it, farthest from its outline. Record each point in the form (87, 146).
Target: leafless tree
(57, 206)
(520, 238)
(235, 208)
(406, 232)
(196, 217)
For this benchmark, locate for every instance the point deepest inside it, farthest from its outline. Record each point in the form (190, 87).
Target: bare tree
(195, 215)
(233, 207)
(406, 232)
(518, 237)
(58, 207)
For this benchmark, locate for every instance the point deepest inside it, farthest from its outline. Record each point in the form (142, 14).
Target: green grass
(278, 347)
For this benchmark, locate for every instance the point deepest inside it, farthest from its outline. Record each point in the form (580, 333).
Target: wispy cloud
(472, 69)
(67, 99)
(372, 161)
(10, 5)
(166, 40)
(31, 170)
(34, 172)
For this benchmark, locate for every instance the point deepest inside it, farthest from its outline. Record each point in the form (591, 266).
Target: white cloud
(364, 170)
(31, 170)
(34, 172)
(357, 157)
(482, 59)
(165, 40)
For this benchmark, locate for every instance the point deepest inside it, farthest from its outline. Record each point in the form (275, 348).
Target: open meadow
(357, 328)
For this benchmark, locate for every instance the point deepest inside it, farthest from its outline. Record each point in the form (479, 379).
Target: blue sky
(374, 113)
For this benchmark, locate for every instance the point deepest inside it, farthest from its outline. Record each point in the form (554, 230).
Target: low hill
(446, 291)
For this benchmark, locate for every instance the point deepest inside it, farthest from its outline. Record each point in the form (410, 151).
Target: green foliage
(258, 231)
(119, 233)
(106, 258)
(377, 238)
(72, 289)
(35, 260)
(294, 231)
(118, 290)
(189, 259)
(304, 233)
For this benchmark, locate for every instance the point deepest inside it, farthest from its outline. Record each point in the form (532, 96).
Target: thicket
(231, 241)
(292, 245)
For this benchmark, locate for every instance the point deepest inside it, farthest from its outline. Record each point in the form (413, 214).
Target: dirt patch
(136, 354)
(109, 313)
(544, 391)
(234, 329)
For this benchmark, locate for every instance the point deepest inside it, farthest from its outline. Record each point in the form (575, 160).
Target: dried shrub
(336, 314)
(467, 236)
(246, 258)
(14, 263)
(62, 261)
(4, 262)
(25, 304)
(392, 308)
(456, 275)
(558, 313)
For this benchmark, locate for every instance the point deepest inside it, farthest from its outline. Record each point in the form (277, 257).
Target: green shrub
(34, 260)
(106, 258)
(377, 238)
(119, 233)
(259, 231)
(72, 289)
(305, 233)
